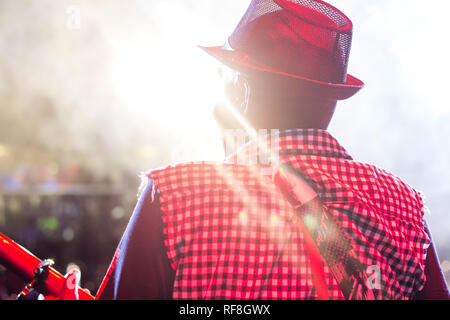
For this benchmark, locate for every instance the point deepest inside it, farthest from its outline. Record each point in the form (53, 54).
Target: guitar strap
(324, 238)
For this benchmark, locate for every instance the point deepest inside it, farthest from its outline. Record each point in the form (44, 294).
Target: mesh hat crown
(307, 41)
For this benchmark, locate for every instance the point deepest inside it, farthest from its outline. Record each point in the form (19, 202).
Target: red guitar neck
(22, 262)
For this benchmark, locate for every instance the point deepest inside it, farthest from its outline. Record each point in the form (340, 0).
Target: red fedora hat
(307, 41)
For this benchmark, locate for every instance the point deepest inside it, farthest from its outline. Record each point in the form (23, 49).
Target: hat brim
(243, 63)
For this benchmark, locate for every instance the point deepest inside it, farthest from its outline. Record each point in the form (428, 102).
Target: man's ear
(237, 90)
(247, 90)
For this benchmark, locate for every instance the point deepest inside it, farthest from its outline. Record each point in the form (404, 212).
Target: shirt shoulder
(199, 176)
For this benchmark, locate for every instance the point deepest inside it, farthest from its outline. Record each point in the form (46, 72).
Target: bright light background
(121, 84)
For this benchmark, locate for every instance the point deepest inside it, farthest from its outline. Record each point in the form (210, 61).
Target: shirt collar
(315, 142)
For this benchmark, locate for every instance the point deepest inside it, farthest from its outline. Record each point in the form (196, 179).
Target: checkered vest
(231, 234)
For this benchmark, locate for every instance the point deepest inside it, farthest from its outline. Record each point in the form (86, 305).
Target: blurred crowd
(72, 218)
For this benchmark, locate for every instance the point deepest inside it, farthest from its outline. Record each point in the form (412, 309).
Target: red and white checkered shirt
(231, 234)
